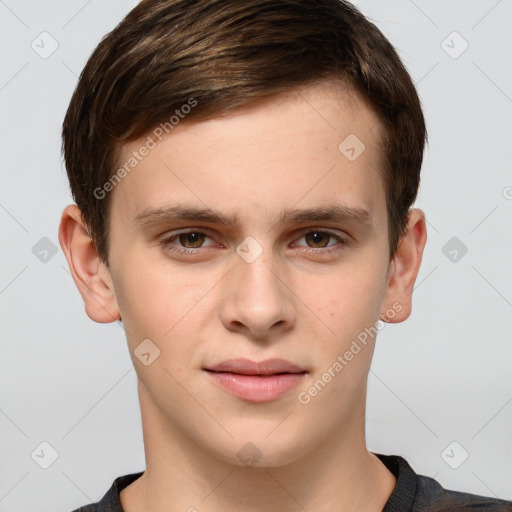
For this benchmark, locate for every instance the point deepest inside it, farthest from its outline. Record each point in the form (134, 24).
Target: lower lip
(257, 388)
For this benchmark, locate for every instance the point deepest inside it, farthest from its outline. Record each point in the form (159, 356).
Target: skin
(295, 301)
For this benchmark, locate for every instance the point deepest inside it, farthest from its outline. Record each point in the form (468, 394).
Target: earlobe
(404, 269)
(89, 272)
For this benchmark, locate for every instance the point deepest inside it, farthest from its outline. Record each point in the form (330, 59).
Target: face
(257, 236)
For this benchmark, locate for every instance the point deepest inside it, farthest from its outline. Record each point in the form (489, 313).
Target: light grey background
(442, 376)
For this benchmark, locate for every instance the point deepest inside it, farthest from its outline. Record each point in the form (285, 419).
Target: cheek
(350, 296)
(164, 306)
(150, 296)
(138, 296)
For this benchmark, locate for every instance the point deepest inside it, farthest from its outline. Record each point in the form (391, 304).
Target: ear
(91, 275)
(404, 268)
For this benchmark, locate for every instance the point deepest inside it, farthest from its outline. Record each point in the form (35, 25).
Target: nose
(257, 300)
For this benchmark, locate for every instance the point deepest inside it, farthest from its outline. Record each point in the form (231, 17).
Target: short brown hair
(223, 54)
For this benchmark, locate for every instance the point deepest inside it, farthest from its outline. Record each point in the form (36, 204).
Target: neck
(339, 474)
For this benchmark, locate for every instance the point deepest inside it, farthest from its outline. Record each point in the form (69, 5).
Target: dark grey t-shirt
(412, 493)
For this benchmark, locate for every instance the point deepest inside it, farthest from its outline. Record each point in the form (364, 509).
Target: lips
(248, 367)
(256, 382)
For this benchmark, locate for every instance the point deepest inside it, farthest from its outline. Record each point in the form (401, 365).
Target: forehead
(303, 148)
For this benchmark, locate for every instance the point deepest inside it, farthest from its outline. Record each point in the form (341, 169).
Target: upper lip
(248, 367)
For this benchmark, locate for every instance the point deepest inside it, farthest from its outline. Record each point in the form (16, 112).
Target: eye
(318, 239)
(189, 241)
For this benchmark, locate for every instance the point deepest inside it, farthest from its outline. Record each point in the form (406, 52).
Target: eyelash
(167, 242)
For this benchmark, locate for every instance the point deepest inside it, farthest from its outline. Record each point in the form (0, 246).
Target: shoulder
(110, 501)
(419, 493)
(430, 493)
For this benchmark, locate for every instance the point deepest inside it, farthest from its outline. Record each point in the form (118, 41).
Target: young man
(243, 174)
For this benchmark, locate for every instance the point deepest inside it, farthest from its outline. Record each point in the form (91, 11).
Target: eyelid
(316, 229)
(172, 236)
(342, 240)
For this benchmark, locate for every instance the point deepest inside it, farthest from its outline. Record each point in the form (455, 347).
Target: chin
(259, 451)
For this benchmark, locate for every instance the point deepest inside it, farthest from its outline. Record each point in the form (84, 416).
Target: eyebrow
(330, 213)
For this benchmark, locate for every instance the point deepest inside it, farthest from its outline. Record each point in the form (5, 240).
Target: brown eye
(188, 242)
(195, 239)
(319, 239)
(321, 242)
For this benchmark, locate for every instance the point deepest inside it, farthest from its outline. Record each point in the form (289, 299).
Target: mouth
(248, 367)
(256, 381)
